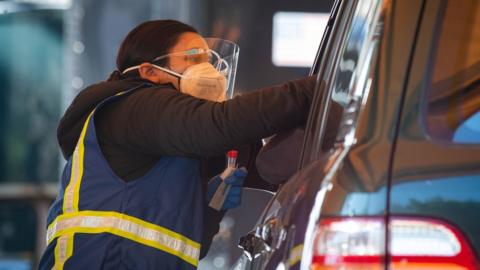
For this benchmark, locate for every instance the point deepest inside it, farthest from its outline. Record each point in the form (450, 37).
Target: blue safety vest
(99, 221)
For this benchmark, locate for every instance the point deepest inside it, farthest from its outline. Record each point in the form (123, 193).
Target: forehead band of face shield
(197, 55)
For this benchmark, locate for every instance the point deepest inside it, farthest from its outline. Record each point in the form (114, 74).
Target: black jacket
(134, 132)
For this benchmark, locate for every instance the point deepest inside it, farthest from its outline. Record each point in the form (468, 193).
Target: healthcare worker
(131, 195)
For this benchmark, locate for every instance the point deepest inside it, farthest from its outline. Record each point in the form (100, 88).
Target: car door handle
(264, 238)
(272, 234)
(248, 244)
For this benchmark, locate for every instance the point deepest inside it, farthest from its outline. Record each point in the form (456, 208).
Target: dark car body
(400, 186)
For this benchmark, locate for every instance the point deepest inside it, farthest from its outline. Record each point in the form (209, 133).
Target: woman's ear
(147, 71)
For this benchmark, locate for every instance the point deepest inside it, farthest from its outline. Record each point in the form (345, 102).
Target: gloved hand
(235, 180)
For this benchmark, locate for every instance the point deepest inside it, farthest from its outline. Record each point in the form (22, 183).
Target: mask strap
(173, 73)
(130, 69)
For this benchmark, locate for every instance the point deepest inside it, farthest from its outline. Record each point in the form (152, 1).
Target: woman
(131, 195)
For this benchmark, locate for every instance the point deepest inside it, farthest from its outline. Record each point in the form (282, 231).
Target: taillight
(420, 243)
(349, 243)
(415, 244)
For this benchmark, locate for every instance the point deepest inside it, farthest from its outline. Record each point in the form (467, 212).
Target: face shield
(221, 54)
(227, 52)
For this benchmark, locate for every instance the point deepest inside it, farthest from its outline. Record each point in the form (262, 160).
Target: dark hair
(147, 41)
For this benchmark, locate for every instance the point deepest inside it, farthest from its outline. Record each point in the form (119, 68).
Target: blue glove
(235, 180)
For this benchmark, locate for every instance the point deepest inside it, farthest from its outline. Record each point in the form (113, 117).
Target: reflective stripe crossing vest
(99, 221)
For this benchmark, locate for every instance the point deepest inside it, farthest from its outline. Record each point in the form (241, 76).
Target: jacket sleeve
(278, 160)
(166, 122)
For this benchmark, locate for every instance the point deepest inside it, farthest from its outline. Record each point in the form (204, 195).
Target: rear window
(453, 111)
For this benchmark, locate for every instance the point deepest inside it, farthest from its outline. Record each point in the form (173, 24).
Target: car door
(254, 247)
(344, 82)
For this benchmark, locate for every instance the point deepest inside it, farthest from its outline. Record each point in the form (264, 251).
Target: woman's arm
(167, 122)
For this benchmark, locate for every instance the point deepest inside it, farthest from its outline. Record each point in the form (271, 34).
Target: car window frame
(327, 64)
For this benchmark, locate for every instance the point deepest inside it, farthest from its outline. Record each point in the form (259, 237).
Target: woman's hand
(235, 181)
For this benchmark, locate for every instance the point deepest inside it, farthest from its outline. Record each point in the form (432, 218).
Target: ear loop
(171, 72)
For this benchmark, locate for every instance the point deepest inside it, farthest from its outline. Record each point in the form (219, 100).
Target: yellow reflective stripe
(295, 255)
(59, 254)
(128, 227)
(63, 250)
(64, 247)
(69, 245)
(70, 199)
(126, 217)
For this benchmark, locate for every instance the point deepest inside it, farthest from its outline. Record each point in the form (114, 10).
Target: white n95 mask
(203, 81)
(200, 80)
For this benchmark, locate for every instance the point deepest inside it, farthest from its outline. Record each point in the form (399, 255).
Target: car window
(351, 81)
(453, 107)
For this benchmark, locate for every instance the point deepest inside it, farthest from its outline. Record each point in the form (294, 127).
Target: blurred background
(51, 49)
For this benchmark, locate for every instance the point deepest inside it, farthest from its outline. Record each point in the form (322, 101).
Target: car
(399, 185)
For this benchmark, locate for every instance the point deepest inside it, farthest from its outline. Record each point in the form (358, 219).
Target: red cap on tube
(232, 154)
